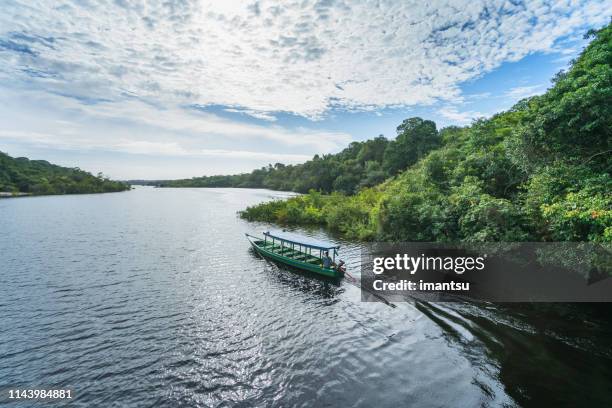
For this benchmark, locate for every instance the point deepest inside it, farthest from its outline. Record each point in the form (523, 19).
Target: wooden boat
(300, 252)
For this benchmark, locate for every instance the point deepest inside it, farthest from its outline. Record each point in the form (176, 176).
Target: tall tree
(415, 138)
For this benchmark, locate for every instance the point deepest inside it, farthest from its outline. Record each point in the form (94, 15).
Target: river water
(153, 298)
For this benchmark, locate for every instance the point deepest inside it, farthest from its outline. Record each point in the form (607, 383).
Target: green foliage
(415, 137)
(539, 171)
(573, 120)
(38, 177)
(490, 219)
(350, 215)
(581, 216)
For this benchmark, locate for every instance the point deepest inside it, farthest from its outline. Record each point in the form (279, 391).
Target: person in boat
(327, 261)
(330, 264)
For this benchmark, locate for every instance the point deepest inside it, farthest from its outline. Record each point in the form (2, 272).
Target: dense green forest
(362, 164)
(540, 171)
(37, 177)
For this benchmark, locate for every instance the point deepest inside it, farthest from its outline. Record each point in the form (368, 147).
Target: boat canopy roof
(301, 240)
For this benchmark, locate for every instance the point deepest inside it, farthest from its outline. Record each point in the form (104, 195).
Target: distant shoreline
(8, 194)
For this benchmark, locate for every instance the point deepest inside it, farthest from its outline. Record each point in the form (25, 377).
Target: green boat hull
(272, 252)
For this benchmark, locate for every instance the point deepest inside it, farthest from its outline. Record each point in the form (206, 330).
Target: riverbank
(21, 176)
(5, 194)
(8, 194)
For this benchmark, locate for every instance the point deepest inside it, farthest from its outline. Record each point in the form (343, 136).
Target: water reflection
(541, 354)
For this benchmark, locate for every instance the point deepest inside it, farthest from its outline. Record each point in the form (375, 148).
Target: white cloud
(478, 96)
(301, 57)
(134, 127)
(462, 118)
(174, 149)
(255, 114)
(521, 92)
(132, 77)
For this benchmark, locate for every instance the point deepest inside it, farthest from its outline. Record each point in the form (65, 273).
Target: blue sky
(163, 89)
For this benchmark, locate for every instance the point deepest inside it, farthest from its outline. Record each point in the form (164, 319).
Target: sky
(174, 89)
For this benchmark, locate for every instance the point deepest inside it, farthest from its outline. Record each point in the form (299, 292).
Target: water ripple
(153, 298)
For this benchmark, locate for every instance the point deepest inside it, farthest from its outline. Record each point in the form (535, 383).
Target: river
(153, 298)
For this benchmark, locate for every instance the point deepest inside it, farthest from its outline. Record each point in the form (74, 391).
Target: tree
(415, 138)
(573, 120)
(41, 177)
